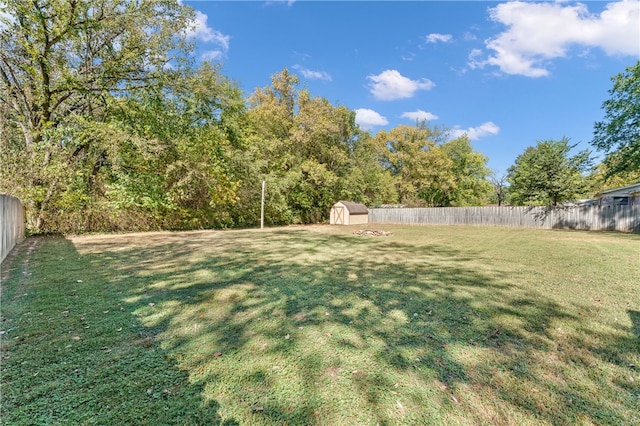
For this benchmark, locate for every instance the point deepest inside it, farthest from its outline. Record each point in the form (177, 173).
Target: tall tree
(601, 179)
(422, 170)
(618, 134)
(61, 62)
(471, 174)
(430, 170)
(500, 188)
(304, 147)
(61, 57)
(366, 181)
(176, 164)
(547, 175)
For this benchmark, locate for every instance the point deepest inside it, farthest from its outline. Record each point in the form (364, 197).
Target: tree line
(108, 124)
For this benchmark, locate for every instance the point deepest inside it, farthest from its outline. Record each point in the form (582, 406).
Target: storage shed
(348, 213)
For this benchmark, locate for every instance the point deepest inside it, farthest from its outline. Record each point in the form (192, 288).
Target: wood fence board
(11, 224)
(595, 218)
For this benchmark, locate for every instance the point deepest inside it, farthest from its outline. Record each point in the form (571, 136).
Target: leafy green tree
(618, 134)
(422, 171)
(60, 58)
(429, 170)
(547, 175)
(601, 179)
(61, 65)
(306, 149)
(176, 166)
(366, 181)
(471, 174)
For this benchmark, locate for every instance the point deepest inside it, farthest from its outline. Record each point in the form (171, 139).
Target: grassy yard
(315, 325)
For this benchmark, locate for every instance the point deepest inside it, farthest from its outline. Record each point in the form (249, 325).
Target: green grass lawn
(315, 325)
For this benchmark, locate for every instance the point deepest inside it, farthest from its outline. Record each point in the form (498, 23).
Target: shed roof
(623, 190)
(354, 208)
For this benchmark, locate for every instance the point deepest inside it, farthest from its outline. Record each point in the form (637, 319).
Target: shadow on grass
(635, 320)
(305, 328)
(298, 327)
(73, 354)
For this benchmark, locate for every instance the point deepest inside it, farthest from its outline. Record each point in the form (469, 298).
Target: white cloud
(410, 56)
(469, 36)
(390, 85)
(475, 133)
(539, 32)
(313, 75)
(203, 32)
(212, 55)
(302, 56)
(276, 2)
(435, 37)
(368, 118)
(199, 30)
(419, 115)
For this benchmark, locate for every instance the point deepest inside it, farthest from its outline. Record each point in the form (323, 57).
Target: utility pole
(262, 208)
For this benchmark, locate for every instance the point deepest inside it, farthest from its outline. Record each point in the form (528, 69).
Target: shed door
(339, 215)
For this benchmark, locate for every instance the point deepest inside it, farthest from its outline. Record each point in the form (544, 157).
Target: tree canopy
(310, 152)
(108, 125)
(60, 59)
(548, 175)
(103, 128)
(430, 170)
(602, 179)
(618, 134)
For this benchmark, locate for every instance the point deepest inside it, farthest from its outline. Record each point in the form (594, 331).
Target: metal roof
(629, 189)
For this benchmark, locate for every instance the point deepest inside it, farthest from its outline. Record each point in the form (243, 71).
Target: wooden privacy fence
(595, 218)
(11, 224)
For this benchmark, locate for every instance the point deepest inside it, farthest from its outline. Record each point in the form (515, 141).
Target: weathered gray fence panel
(11, 224)
(595, 218)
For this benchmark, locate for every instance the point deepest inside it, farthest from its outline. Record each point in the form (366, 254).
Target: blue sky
(506, 73)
